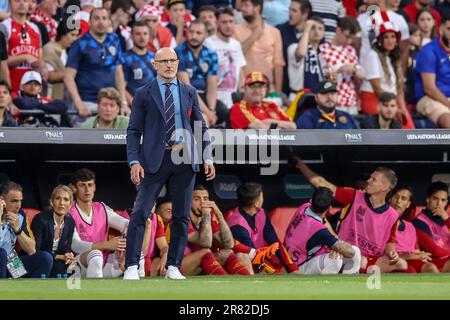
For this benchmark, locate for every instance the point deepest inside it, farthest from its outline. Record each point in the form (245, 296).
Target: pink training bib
(366, 229)
(151, 247)
(301, 228)
(97, 231)
(440, 234)
(257, 236)
(406, 240)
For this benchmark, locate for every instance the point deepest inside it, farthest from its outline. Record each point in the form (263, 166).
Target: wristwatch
(18, 231)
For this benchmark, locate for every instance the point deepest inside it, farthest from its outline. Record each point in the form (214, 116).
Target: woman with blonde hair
(53, 230)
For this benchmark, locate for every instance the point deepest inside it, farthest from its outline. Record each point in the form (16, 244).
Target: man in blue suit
(164, 112)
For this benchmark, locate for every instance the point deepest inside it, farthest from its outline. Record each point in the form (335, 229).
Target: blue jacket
(313, 119)
(147, 120)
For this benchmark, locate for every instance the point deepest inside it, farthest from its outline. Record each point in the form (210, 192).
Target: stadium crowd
(255, 64)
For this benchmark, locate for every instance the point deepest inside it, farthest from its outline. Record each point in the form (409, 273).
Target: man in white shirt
(230, 55)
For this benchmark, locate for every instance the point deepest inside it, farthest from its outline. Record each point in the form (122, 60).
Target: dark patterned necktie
(169, 109)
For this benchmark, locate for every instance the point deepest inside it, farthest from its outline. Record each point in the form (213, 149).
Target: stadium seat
(280, 218)
(31, 213)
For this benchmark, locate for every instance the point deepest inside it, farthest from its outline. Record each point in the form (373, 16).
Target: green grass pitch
(285, 287)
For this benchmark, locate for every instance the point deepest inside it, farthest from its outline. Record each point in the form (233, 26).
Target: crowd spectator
(230, 57)
(29, 98)
(23, 42)
(39, 24)
(432, 226)
(84, 16)
(4, 9)
(6, 120)
(340, 62)
(414, 48)
(261, 43)
(137, 65)
(88, 71)
(252, 112)
(308, 231)
(394, 5)
(387, 111)
(53, 231)
(160, 36)
(55, 56)
(178, 20)
(330, 11)
(426, 23)
(305, 69)
(361, 7)
(207, 14)
(325, 115)
(92, 222)
(200, 64)
(371, 22)
(432, 78)
(382, 66)
(252, 228)
(15, 229)
(291, 31)
(415, 6)
(443, 8)
(44, 13)
(4, 69)
(107, 4)
(406, 236)
(121, 13)
(195, 6)
(108, 112)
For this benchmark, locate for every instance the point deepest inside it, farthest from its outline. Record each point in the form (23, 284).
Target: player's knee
(223, 255)
(401, 264)
(95, 264)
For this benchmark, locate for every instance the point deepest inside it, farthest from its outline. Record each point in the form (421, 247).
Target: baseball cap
(172, 2)
(255, 77)
(31, 76)
(326, 86)
(146, 11)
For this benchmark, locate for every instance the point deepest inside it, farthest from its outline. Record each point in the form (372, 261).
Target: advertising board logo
(353, 137)
(110, 136)
(225, 186)
(54, 135)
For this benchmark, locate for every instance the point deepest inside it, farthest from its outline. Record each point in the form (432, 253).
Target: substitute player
(253, 230)
(92, 222)
(432, 226)
(406, 237)
(367, 221)
(312, 246)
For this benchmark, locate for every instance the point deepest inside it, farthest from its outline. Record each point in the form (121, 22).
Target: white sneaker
(131, 273)
(174, 274)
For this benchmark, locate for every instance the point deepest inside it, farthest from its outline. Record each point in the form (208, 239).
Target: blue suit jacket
(147, 121)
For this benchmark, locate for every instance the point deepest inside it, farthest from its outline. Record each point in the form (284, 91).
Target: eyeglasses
(167, 61)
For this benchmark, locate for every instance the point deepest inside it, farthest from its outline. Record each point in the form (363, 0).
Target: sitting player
(253, 230)
(406, 237)
(92, 223)
(432, 226)
(210, 241)
(312, 246)
(367, 221)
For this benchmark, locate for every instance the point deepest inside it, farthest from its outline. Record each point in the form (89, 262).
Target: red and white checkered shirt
(49, 22)
(335, 57)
